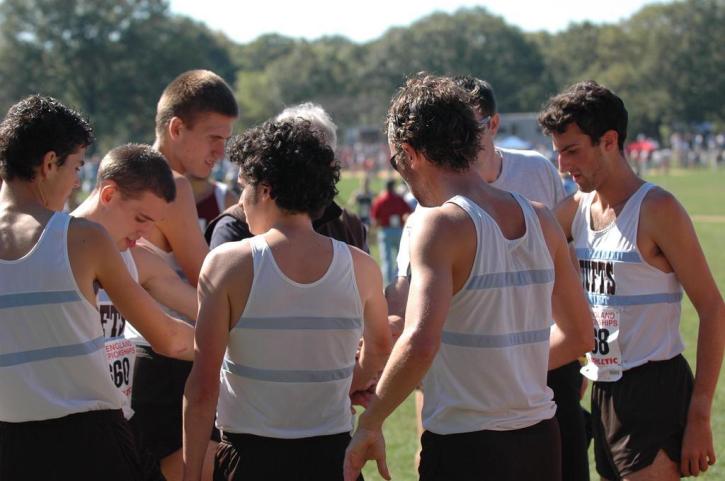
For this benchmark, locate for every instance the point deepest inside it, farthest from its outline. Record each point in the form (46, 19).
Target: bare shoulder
(363, 262)
(661, 212)
(441, 223)
(550, 226)
(660, 202)
(565, 211)
(183, 187)
(86, 234)
(227, 258)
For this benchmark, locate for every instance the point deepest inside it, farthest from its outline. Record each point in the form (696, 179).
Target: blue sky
(368, 19)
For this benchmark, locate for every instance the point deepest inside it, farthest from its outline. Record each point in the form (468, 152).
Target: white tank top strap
(628, 220)
(581, 222)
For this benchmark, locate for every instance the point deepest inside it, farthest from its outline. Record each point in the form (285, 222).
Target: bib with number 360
(604, 362)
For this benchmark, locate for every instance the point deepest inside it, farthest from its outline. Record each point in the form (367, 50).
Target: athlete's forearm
(408, 363)
(368, 367)
(198, 418)
(710, 347)
(175, 294)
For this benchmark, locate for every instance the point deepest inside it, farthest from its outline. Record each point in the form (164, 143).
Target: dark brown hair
(35, 126)
(434, 116)
(192, 93)
(138, 168)
(593, 108)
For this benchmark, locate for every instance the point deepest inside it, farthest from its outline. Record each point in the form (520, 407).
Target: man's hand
(363, 396)
(365, 444)
(698, 452)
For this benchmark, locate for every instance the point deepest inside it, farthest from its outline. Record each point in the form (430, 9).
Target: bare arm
(222, 269)
(565, 212)
(168, 336)
(397, 296)
(377, 339)
(670, 228)
(431, 291)
(181, 230)
(571, 335)
(164, 284)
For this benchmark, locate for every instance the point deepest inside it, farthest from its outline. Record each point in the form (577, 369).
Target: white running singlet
(490, 371)
(288, 366)
(636, 306)
(52, 357)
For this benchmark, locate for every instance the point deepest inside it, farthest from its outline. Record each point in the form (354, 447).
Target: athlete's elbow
(422, 349)
(180, 344)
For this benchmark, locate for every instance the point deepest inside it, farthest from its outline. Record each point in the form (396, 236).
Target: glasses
(485, 122)
(393, 162)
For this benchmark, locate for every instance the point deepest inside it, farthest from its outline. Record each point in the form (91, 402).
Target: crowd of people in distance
(166, 327)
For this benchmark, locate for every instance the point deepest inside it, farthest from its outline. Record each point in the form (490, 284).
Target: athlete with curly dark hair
(282, 314)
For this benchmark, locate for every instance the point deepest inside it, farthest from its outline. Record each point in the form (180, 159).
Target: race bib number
(604, 363)
(121, 355)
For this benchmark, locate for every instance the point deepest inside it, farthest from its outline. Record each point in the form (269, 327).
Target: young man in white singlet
(637, 249)
(490, 269)
(56, 393)
(282, 314)
(133, 190)
(530, 174)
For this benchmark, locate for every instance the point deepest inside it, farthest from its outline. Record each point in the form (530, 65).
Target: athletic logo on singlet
(605, 360)
(112, 322)
(598, 277)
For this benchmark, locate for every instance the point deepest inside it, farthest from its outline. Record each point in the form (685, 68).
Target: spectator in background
(389, 211)
(363, 201)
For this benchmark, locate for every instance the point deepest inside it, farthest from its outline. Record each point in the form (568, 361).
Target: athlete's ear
(48, 164)
(265, 190)
(610, 141)
(494, 124)
(410, 157)
(108, 190)
(174, 127)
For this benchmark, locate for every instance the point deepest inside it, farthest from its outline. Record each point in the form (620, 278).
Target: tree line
(112, 59)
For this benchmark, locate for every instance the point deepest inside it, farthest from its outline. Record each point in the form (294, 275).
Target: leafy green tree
(110, 59)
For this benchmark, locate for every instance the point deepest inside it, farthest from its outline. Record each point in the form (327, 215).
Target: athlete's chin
(585, 187)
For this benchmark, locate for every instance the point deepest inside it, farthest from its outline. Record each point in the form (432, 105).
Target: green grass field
(702, 193)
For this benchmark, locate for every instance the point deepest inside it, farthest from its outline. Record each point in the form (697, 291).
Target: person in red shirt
(389, 212)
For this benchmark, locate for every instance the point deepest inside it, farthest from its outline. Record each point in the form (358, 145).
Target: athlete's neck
(90, 209)
(490, 163)
(20, 196)
(621, 183)
(448, 184)
(161, 145)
